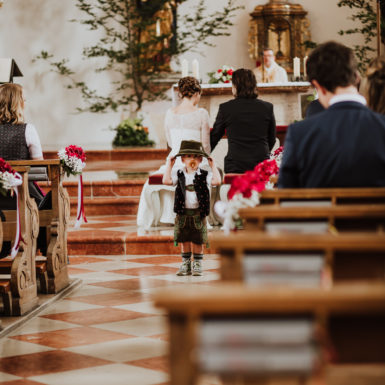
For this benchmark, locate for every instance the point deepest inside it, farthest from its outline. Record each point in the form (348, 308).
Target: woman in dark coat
(249, 124)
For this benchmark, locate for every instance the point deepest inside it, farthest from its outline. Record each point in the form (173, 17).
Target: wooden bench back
(23, 295)
(360, 307)
(56, 221)
(347, 256)
(344, 217)
(335, 196)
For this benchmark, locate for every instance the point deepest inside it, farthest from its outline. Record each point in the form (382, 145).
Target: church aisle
(105, 332)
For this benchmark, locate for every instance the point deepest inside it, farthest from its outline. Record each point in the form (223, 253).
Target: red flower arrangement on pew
(9, 181)
(73, 160)
(254, 180)
(245, 189)
(9, 178)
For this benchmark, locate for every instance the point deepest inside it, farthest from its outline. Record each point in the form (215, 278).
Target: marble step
(119, 235)
(107, 206)
(134, 153)
(106, 188)
(125, 244)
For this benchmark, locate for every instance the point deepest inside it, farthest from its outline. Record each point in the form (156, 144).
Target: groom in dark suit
(344, 146)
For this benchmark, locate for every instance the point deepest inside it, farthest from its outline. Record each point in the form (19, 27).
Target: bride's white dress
(156, 204)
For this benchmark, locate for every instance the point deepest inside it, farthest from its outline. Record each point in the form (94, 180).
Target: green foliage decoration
(366, 15)
(130, 132)
(134, 51)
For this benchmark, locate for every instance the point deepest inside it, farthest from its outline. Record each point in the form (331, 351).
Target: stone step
(88, 244)
(107, 206)
(119, 235)
(135, 153)
(107, 188)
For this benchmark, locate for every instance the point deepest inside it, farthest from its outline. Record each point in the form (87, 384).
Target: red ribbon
(81, 215)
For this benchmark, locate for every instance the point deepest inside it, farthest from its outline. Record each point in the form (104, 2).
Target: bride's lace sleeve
(205, 133)
(167, 128)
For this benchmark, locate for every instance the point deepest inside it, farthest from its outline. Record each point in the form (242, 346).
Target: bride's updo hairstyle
(245, 84)
(376, 85)
(188, 86)
(11, 103)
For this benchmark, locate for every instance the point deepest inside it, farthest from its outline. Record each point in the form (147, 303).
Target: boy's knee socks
(186, 255)
(198, 257)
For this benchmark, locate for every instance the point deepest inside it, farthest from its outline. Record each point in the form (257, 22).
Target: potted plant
(131, 132)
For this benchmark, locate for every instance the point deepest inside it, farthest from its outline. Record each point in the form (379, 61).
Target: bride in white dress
(184, 122)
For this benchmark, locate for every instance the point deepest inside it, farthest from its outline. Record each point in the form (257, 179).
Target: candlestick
(304, 66)
(157, 28)
(184, 68)
(296, 68)
(195, 69)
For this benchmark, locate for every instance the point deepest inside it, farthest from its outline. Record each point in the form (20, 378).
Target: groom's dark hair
(333, 65)
(245, 83)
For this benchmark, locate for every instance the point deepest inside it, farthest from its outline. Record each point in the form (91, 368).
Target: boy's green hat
(191, 147)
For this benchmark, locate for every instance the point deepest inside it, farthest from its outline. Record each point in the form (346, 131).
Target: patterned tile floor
(106, 331)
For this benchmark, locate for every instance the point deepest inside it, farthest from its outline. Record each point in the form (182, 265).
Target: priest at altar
(270, 71)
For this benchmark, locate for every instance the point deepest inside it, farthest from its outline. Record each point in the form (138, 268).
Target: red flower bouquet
(73, 160)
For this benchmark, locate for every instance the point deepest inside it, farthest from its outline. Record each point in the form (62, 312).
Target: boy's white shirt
(191, 196)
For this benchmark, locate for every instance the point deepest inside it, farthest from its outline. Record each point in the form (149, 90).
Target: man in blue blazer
(343, 146)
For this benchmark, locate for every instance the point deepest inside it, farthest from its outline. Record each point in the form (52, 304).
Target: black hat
(191, 147)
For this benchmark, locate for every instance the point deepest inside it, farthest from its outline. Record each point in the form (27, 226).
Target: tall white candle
(184, 68)
(304, 66)
(157, 28)
(296, 67)
(195, 69)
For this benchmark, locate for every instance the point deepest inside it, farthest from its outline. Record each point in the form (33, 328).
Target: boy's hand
(172, 161)
(211, 162)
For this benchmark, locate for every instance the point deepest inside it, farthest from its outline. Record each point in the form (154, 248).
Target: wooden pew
(332, 196)
(349, 320)
(344, 217)
(19, 292)
(1, 245)
(53, 272)
(346, 256)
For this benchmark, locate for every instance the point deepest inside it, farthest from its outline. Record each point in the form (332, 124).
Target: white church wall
(29, 26)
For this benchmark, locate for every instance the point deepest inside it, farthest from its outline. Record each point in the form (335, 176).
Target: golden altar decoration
(281, 26)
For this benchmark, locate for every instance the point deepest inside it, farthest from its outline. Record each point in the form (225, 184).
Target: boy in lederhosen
(192, 203)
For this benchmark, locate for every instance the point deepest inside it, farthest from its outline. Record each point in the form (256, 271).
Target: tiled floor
(105, 332)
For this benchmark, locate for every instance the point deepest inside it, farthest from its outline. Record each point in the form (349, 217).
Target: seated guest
(270, 72)
(313, 108)
(249, 124)
(375, 91)
(344, 146)
(18, 141)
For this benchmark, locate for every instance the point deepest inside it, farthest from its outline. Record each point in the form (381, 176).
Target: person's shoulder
(264, 102)
(29, 127)
(203, 111)
(379, 117)
(228, 103)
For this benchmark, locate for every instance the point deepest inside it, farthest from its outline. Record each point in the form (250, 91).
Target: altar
(289, 99)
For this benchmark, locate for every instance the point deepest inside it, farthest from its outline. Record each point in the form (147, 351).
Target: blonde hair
(375, 89)
(11, 103)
